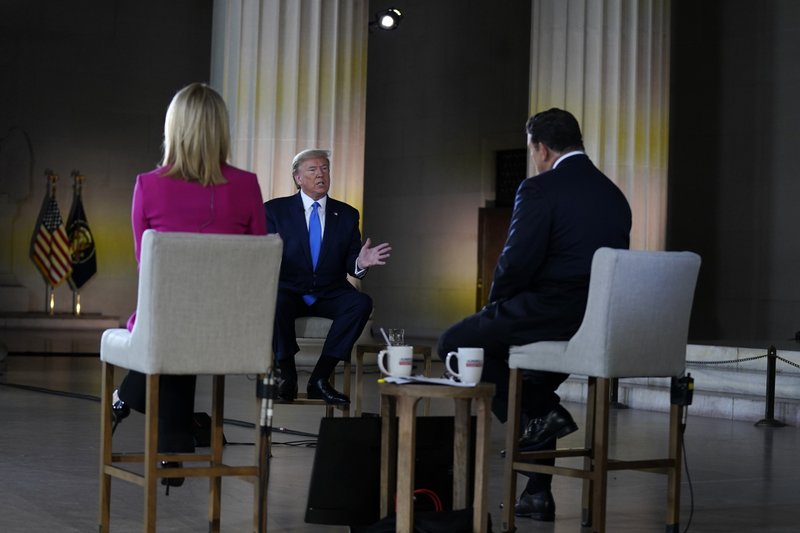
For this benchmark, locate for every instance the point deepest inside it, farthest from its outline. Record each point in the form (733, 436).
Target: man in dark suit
(321, 246)
(560, 218)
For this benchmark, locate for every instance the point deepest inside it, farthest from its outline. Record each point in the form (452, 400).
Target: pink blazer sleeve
(139, 221)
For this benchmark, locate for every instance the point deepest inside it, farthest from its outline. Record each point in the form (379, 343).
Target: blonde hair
(197, 137)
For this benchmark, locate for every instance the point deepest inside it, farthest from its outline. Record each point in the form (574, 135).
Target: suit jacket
(173, 204)
(341, 244)
(560, 218)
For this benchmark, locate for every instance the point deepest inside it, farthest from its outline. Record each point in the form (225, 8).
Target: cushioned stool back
(636, 321)
(206, 305)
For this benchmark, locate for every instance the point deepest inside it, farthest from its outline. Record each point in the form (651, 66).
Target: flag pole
(77, 186)
(50, 296)
(81, 244)
(49, 299)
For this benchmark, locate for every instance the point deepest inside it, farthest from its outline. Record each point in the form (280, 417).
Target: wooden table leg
(359, 378)
(480, 520)
(406, 448)
(400, 443)
(426, 371)
(388, 455)
(462, 454)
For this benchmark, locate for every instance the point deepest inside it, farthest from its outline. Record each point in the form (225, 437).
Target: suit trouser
(349, 310)
(176, 408)
(482, 330)
(538, 388)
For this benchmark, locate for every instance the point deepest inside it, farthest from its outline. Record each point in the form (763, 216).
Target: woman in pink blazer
(194, 190)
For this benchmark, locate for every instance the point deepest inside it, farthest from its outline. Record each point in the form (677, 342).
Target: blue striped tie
(314, 241)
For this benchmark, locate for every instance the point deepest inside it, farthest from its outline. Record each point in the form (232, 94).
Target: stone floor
(743, 478)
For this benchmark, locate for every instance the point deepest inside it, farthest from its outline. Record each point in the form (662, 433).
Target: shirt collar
(563, 157)
(308, 201)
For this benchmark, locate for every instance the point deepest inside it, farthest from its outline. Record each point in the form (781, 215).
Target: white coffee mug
(399, 361)
(470, 364)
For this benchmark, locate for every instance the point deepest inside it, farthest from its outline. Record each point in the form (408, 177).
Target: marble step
(729, 382)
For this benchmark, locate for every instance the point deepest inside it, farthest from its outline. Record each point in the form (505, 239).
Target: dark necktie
(314, 242)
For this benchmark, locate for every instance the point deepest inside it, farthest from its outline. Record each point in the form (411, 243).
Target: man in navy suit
(313, 278)
(541, 282)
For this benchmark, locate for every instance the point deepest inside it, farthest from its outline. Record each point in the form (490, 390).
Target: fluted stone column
(293, 73)
(607, 62)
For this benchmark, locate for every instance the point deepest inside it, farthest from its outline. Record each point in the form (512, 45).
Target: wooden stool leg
(107, 386)
(346, 380)
(262, 439)
(151, 453)
(600, 448)
(512, 437)
(215, 482)
(329, 408)
(359, 379)
(591, 394)
(674, 472)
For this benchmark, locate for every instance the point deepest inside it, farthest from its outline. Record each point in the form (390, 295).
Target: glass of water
(396, 336)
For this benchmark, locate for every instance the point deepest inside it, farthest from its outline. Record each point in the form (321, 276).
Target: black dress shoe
(119, 411)
(322, 390)
(287, 389)
(554, 425)
(539, 506)
(171, 481)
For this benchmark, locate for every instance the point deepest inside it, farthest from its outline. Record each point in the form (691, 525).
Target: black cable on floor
(230, 421)
(689, 482)
(31, 388)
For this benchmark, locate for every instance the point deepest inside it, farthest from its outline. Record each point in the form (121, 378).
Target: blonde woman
(193, 190)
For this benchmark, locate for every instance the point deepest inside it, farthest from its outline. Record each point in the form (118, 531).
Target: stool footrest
(553, 470)
(657, 466)
(138, 457)
(553, 454)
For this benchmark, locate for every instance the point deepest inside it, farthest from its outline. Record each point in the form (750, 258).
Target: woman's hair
(197, 137)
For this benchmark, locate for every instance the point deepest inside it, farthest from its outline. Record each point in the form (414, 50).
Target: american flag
(50, 246)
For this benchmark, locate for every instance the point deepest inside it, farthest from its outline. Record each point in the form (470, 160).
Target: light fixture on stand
(386, 20)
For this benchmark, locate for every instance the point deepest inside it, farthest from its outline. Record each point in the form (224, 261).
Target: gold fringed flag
(50, 249)
(84, 262)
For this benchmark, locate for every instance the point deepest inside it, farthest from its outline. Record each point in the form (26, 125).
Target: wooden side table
(362, 349)
(398, 447)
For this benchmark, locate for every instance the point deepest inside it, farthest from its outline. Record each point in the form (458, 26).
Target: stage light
(386, 20)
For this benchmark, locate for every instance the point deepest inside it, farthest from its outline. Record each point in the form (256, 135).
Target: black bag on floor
(345, 478)
(202, 431)
(459, 521)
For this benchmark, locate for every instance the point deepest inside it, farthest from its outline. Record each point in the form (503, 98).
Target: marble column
(293, 73)
(607, 62)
